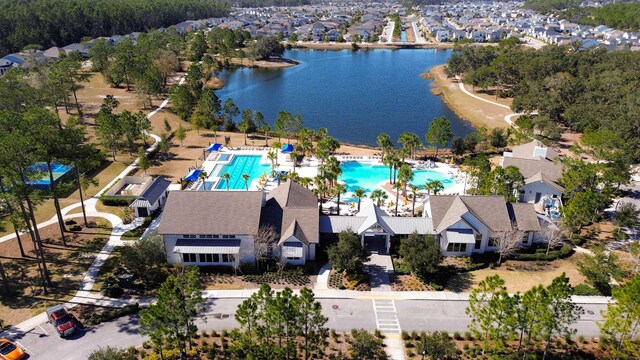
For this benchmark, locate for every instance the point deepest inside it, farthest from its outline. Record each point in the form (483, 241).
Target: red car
(62, 321)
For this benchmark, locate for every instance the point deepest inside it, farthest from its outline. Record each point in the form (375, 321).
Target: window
(202, 236)
(478, 241)
(492, 242)
(525, 237)
(456, 247)
(225, 258)
(189, 258)
(209, 236)
(216, 258)
(202, 257)
(294, 258)
(228, 236)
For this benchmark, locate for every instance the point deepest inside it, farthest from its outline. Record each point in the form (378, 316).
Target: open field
(67, 266)
(520, 276)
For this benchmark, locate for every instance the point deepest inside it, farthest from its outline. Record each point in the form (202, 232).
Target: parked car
(62, 321)
(10, 351)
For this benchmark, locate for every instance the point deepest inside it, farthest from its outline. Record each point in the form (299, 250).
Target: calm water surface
(356, 95)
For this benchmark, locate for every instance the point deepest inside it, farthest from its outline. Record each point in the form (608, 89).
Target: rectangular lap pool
(239, 165)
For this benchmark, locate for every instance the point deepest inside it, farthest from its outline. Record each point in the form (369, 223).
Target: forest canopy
(586, 90)
(265, 3)
(547, 6)
(61, 22)
(620, 16)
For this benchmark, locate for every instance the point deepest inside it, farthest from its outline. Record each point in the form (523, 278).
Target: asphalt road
(344, 315)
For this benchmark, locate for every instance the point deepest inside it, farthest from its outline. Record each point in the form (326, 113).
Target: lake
(356, 95)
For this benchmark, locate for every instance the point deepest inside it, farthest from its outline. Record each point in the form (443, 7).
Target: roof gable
(211, 212)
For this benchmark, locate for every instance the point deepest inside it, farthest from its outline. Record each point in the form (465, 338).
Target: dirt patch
(478, 112)
(520, 276)
(214, 83)
(67, 266)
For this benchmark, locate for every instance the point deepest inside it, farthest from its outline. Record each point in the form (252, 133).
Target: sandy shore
(263, 64)
(478, 112)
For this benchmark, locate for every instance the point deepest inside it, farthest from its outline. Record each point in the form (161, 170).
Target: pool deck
(309, 168)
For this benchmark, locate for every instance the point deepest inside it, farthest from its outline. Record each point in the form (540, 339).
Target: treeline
(586, 90)
(547, 6)
(62, 22)
(266, 3)
(622, 16)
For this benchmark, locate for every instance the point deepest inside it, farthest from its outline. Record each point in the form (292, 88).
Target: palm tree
(272, 155)
(390, 161)
(226, 178)
(384, 141)
(434, 186)
(305, 181)
(338, 190)
(246, 181)
(202, 176)
(379, 196)
(405, 175)
(414, 194)
(397, 186)
(359, 193)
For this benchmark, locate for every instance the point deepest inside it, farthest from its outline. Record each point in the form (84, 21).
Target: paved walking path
(85, 294)
(322, 282)
(379, 267)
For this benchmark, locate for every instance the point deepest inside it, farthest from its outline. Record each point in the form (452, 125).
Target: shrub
(409, 353)
(70, 222)
(111, 290)
(585, 290)
(224, 334)
(378, 334)
(465, 346)
(457, 336)
(405, 335)
(414, 335)
(468, 335)
(96, 318)
(75, 228)
(110, 200)
(540, 254)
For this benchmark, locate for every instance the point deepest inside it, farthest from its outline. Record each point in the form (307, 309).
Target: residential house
(292, 210)
(541, 170)
(220, 227)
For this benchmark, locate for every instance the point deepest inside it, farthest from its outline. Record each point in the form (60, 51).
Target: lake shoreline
(479, 114)
(366, 46)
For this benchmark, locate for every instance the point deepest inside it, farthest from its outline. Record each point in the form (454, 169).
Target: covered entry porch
(376, 242)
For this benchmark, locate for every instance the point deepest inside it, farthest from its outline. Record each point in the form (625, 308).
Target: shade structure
(214, 147)
(461, 236)
(193, 175)
(209, 246)
(287, 148)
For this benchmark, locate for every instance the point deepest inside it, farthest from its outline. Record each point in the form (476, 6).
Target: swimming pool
(362, 175)
(240, 164)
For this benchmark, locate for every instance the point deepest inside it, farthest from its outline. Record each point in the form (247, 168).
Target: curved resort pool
(362, 175)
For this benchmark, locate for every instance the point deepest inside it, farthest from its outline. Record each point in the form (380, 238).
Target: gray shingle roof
(211, 212)
(524, 215)
(529, 167)
(446, 210)
(336, 224)
(293, 210)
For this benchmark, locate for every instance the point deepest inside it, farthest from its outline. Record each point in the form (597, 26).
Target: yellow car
(10, 351)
